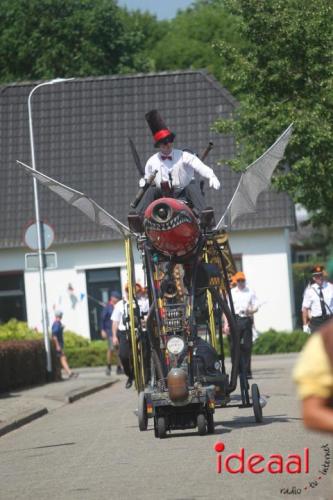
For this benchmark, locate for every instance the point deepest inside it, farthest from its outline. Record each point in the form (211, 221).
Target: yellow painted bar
(211, 314)
(137, 374)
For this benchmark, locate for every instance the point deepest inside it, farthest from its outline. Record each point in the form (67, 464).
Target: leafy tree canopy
(47, 38)
(190, 39)
(285, 75)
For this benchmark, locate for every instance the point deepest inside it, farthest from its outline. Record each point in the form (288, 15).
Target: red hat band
(162, 134)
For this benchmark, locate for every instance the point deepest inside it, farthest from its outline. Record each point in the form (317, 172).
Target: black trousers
(125, 353)
(316, 322)
(246, 340)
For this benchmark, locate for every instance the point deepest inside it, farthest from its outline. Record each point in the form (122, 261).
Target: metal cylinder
(177, 385)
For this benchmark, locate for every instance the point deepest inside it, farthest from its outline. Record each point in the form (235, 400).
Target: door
(100, 283)
(12, 297)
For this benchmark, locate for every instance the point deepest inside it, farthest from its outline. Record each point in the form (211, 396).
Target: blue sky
(162, 9)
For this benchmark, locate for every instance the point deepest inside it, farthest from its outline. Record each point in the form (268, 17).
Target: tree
(190, 37)
(48, 38)
(283, 76)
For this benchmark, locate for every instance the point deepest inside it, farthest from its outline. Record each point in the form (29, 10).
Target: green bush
(92, 355)
(18, 330)
(272, 342)
(73, 340)
(81, 352)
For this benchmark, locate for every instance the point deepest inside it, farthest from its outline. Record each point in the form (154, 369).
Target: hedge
(92, 355)
(81, 352)
(23, 363)
(272, 342)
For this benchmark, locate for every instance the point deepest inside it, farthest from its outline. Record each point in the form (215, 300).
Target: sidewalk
(24, 405)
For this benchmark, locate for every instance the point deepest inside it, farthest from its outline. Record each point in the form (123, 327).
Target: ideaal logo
(256, 463)
(276, 463)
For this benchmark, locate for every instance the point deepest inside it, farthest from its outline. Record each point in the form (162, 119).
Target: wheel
(210, 423)
(201, 424)
(142, 412)
(155, 428)
(161, 427)
(256, 403)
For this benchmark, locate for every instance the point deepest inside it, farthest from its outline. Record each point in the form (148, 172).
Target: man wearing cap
(58, 339)
(317, 306)
(106, 331)
(245, 305)
(174, 168)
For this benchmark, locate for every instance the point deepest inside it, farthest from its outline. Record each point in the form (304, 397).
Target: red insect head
(171, 227)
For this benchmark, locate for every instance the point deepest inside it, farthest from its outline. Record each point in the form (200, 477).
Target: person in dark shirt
(106, 332)
(58, 337)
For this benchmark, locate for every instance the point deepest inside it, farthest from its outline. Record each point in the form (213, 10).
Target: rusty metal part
(177, 385)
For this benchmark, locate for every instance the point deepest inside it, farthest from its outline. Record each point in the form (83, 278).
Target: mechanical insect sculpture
(178, 356)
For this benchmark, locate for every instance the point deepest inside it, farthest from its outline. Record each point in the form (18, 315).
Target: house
(81, 131)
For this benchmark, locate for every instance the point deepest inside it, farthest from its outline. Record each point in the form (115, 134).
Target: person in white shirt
(121, 330)
(174, 168)
(317, 306)
(245, 304)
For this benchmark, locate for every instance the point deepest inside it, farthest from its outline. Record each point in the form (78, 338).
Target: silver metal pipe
(40, 242)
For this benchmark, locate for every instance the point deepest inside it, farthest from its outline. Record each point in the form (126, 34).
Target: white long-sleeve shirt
(181, 167)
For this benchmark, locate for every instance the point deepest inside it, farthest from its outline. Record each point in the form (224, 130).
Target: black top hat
(159, 130)
(317, 270)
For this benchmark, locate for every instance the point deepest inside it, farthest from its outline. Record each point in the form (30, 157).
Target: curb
(23, 419)
(28, 416)
(82, 394)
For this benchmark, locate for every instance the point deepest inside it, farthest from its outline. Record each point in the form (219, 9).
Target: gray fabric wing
(254, 180)
(79, 200)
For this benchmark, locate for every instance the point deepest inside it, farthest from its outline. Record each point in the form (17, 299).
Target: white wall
(73, 261)
(266, 264)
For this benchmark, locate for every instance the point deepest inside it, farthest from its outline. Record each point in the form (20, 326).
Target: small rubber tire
(257, 410)
(142, 412)
(155, 428)
(210, 423)
(201, 424)
(161, 427)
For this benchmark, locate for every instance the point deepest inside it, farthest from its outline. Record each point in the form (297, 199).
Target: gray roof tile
(80, 131)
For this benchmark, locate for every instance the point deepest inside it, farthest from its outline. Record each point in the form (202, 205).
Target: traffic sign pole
(45, 320)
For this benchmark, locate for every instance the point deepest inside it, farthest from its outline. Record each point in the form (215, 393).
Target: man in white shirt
(121, 336)
(317, 306)
(121, 330)
(174, 168)
(245, 305)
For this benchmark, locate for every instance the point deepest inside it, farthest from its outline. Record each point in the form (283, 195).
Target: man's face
(166, 148)
(318, 278)
(114, 300)
(241, 284)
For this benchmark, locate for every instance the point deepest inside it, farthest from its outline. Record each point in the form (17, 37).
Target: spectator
(106, 332)
(143, 303)
(58, 337)
(245, 305)
(317, 306)
(313, 375)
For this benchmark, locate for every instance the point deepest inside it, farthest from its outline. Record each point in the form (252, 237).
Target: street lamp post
(40, 242)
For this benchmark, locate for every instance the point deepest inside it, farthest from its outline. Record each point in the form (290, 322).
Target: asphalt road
(93, 450)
